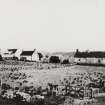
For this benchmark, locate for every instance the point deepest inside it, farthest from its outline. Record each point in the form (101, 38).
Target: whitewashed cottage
(93, 57)
(29, 55)
(9, 54)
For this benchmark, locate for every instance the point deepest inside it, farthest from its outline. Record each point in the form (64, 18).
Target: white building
(29, 55)
(9, 54)
(90, 57)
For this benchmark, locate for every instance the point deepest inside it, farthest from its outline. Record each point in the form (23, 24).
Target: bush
(18, 98)
(56, 100)
(54, 59)
(66, 61)
(5, 86)
(15, 58)
(1, 58)
(22, 59)
(7, 102)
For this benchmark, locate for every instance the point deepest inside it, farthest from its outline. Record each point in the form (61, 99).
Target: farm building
(68, 56)
(29, 55)
(9, 54)
(96, 57)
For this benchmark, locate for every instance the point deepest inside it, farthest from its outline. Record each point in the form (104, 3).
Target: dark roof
(27, 53)
(12, 50)
(95, 54)
(40, 55)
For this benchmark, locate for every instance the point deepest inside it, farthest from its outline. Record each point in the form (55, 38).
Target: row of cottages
(89, 57)
(13, 54)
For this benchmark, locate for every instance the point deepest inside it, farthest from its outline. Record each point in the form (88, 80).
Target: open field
(41, 77)
(54, 75)
(34, 79)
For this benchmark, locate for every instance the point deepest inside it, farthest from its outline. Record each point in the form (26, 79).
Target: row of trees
(56, 59)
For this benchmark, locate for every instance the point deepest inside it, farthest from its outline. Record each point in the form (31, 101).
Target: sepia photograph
(52, 52)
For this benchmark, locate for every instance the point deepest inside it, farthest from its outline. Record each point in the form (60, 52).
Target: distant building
(68, 56)
(9, 54)
(29, 55)
(95, 57)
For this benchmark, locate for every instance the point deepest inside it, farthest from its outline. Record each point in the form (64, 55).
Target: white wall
(8, 55)
(80, 60)
(27, 57)
(35, 56)
(90, 60)
(18, 52)
(76, 60)
(103, 61)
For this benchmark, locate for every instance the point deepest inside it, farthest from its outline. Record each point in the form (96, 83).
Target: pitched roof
(27, 53)
(96, 54)
(12, 50)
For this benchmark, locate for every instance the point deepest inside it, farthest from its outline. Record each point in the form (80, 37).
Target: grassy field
(54, 75)
(41, 77)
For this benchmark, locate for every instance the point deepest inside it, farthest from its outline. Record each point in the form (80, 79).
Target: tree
(65, 61)
(5, 86)
(1, 58)
(15, 58)
(54, 59)
(40, 56)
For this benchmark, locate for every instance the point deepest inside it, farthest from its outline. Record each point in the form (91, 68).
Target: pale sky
(52, 25)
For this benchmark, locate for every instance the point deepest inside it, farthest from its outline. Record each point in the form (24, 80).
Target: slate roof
(95, 54)
(27, 53)
(12, 51)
